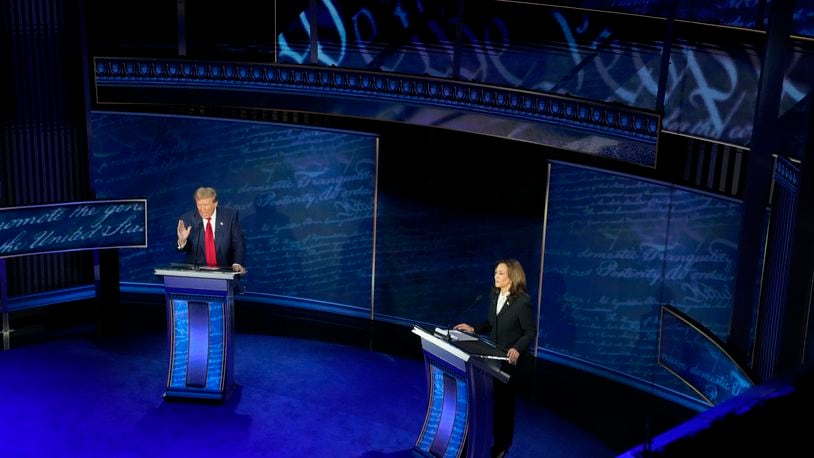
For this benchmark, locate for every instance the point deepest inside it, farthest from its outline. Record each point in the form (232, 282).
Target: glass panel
(132, 28)
(307, 215)
(410, 37)
(617, 248)
(712, 86)
(590, 55)
(242, 28)
(803, 18)
(440, 228)
(293, 32)
(723, 12)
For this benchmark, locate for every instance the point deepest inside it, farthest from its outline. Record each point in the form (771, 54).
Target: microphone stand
(460, 315)
(447, 335)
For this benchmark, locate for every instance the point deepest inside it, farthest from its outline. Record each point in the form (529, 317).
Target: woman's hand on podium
(513, 354)
(463, 327)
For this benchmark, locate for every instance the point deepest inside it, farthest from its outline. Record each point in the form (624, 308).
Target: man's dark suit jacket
(515, 326)
(229, 240)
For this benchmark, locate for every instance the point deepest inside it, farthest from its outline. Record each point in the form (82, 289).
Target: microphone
(459, 316)
(198, 230)
(447, 334)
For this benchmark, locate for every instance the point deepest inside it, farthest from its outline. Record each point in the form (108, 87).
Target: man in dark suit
(211, 236)
(511, 325)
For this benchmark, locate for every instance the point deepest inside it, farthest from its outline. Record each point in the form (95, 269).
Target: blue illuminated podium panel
(460, 404)
(200, 320)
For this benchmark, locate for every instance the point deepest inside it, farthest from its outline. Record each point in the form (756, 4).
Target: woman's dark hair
(516, 274)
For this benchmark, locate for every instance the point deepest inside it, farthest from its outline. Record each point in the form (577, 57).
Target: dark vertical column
(776, 271)
(106, 281)
(105, 262)
(797, 319)
(758, 182)
(459, 34)
(182, 27)
(313, 22)
(6, 330)
(43, 145)
(664, 67)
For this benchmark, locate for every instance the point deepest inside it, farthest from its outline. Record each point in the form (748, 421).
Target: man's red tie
(211, 259)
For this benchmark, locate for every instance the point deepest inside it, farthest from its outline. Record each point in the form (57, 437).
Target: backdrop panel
(448, 209)
(617, 248)
(305, 197)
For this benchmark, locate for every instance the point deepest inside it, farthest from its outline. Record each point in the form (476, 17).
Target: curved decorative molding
(616, 120)
(787, 175)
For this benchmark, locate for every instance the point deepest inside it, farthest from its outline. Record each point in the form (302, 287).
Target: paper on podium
(455, 335)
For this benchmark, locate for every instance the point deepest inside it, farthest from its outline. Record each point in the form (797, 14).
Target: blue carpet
(84, 396)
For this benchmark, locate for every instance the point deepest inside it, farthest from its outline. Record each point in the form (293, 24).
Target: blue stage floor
(77, 394)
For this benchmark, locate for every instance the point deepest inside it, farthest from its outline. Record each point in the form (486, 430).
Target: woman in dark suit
(511, 325)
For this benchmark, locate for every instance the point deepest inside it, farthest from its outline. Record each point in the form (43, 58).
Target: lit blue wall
(305, 197)
(616, 247)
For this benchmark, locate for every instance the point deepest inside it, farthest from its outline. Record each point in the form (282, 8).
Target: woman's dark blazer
(515, 326)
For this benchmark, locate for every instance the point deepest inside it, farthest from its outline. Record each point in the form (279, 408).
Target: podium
(200, 321)
(459, 415)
